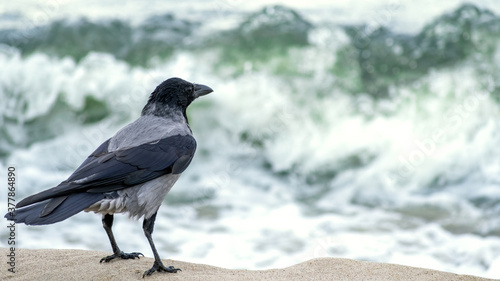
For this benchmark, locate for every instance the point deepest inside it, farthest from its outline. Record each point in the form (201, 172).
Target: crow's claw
(160, 267)
(122, 255)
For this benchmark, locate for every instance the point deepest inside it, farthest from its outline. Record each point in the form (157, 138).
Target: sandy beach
(49, 264)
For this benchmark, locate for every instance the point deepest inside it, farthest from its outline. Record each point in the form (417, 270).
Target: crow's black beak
(201, 90)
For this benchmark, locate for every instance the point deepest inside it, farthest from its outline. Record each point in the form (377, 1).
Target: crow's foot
(158, 266)
(122, 255)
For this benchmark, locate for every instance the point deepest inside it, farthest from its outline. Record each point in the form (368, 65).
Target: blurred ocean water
(345, 131)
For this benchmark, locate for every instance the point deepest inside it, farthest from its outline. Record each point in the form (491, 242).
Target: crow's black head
(174, 94)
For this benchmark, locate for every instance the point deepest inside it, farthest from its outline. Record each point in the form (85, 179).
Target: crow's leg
(148, 227)
(107, 223)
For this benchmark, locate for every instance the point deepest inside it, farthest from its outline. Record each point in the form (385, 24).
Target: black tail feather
(73, 204)
(43, 195)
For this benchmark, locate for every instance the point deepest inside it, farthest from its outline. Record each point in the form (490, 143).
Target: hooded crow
(129, 173)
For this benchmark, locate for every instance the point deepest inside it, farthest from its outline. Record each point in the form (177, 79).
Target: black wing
(105, 171)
